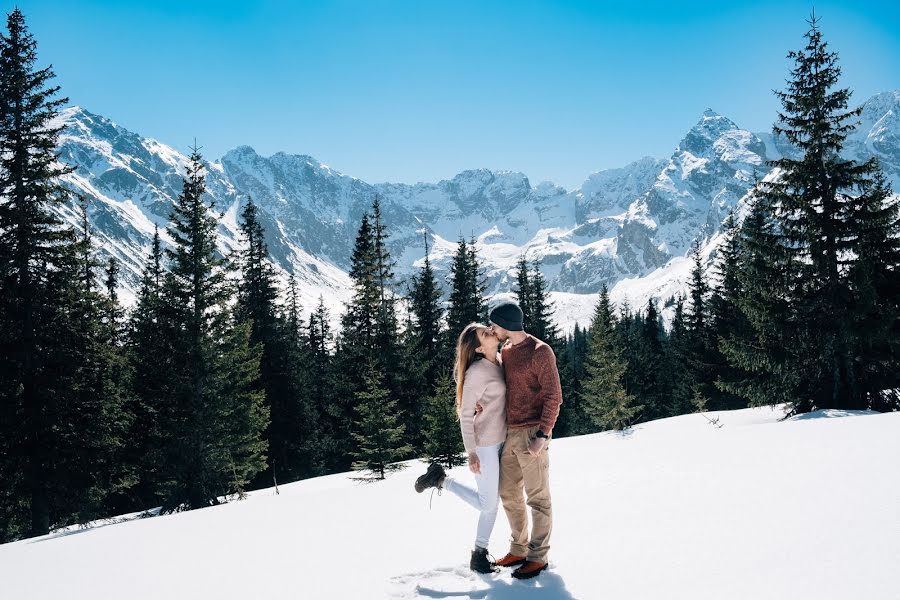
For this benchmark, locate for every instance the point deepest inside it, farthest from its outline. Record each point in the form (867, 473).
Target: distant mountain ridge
(628, 228)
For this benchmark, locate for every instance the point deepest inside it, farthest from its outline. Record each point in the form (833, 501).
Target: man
(533, 396)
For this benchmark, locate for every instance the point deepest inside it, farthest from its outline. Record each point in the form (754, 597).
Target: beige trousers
(525, 481)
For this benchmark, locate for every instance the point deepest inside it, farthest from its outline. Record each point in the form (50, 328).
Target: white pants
(486, 499)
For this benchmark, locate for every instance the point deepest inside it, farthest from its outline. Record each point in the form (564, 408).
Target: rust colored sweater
(533, 392)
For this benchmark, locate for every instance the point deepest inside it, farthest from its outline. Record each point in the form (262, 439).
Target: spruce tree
(292, 424)
(212, 418)
(678, 364)
(332, 409)
(571, 372)
(428, 314)
(650, 387)
(604, 401)
(764, 350)
(822, 207)
(443, 442)
(58, 437)
(524, 293)
(147, 349)
(378, 432)
(467, 287)
(541, 322)
(726, 319)
(699, 333)
(875, 278)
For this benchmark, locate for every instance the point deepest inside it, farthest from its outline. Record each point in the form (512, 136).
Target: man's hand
(474, 463)
(536, 445)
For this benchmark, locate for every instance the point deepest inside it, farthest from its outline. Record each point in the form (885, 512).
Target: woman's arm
(473, 389)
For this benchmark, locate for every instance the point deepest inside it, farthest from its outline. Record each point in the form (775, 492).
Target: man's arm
(551, 389)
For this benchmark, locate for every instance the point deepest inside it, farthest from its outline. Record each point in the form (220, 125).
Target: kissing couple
(507, 403)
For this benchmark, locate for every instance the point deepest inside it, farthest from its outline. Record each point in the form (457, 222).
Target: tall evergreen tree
(428, 316)
(467, 288)
(541, 322)
(726, 319)
(821, 204)
(700, 340)
(292, 426)
(604, 401)
(764, 350)
(58, 437)
(571, 420)
(875, 279)
(213, 416)
(678, 364)
(443, 442)
(651, 387)
(147, 349)
(378, 432)
(524, 293)
(334, 411)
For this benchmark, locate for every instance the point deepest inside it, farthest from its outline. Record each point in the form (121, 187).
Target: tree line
(215, 383)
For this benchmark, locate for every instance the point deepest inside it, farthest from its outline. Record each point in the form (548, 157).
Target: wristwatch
(541, 434)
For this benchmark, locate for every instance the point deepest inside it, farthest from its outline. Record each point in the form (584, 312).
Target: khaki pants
(521, 472)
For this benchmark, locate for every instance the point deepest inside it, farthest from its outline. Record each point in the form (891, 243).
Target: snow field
(678, 508)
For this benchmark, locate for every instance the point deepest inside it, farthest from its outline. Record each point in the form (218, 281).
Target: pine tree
(524, 293)
(443, 442)
(58, 438)
(821, 205)
(359, 320)
(571, 420)
(726, 319)
(386, 323)
(650, 387)
(678, 364)
(212, 418)
(604, 400)
(333, 412)
(764, 350)
(292, 425)
(378, 432)
(147, 351)
(541, 322)
(89, 478)
(700, 337)
(467, 287)
(428, 314)
(875, 279)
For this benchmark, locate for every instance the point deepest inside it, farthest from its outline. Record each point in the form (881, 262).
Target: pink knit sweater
(483, 385)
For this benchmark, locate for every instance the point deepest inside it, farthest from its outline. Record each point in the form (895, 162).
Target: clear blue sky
(419, 90)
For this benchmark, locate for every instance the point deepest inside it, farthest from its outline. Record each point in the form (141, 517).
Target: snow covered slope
(678, 508)
(628, 228)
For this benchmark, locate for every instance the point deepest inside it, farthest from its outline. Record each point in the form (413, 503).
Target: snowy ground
(757, 508)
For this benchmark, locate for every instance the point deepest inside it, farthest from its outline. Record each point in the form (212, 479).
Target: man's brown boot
(511, 560)
(530, 569)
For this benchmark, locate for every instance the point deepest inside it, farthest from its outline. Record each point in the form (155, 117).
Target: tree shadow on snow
(93, 525)
(831, 413)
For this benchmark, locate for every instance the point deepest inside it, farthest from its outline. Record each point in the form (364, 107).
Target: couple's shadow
(546, 586)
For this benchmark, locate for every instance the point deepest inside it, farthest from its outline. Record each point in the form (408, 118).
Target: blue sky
(419, 90)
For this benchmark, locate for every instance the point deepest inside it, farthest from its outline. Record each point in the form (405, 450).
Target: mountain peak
(703, 135)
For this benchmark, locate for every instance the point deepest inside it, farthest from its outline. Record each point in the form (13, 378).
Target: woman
(479, 379)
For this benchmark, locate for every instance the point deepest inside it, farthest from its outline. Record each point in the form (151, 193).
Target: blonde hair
(465, 355)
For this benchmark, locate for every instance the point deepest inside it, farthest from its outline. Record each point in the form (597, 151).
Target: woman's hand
(474, 463)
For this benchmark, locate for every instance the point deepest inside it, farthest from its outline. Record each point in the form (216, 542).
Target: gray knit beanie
(507, 315)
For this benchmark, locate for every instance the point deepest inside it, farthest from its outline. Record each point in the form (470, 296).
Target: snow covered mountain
(628, 228)
(677, 509)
